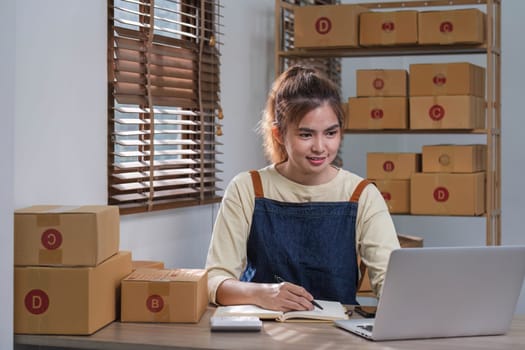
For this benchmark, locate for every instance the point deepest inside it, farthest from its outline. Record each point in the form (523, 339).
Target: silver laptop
(446, 292)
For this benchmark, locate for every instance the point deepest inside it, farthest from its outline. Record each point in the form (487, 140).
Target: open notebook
(446, 292)
(332, 310)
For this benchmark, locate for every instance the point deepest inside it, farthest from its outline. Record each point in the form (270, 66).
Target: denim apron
(309, 244)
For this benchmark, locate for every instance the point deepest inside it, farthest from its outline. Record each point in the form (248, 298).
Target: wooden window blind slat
(142, 132)
(162, 153)
(161, 184)
(137, 175)
(185, 193)
(177, 111)
(130, 121)
(160, 164)
(163, 142)
(159, 132)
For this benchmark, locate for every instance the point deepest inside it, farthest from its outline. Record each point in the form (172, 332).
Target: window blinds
(164, 103)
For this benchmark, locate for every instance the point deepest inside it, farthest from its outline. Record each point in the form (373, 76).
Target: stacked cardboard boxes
(408, 27)
(68, 269)
(447, 96)
(381, 101)
(352, 26)
(452, 181)
(391, 174)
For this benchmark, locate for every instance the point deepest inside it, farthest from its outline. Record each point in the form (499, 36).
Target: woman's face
(312, 145)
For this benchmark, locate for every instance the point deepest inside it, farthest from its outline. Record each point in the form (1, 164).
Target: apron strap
(259, 193)
(257, 184)
(362, 266)
(358, 190)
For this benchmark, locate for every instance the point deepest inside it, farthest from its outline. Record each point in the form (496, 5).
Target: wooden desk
(275, 335)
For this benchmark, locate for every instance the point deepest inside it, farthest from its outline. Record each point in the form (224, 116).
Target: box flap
(165, 275)
(63, 209)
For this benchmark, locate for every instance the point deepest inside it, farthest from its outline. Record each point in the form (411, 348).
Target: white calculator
(235, 323)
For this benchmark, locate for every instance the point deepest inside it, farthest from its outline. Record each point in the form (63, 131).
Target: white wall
(513, 126)
(7, 101)
(59, 122)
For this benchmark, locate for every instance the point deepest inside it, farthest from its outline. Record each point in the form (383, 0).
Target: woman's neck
(306, 179)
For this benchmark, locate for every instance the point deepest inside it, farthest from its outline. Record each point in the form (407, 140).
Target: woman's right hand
(283, 296)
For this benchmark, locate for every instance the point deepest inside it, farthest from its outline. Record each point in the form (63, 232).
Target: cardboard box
(391, 165)
(447, 194)
(454, 158)
(447, 112)
(459, 78)
(68, 300)
(408, 241)
(405, 241)
(381, 82)
(396, 194)
(377, 113)
(466, 26)
(324, 26)
(175, 295)
(148, 264)
(388, 28)
(53, 235)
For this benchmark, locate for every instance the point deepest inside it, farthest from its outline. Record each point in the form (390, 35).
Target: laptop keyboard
(367, 327)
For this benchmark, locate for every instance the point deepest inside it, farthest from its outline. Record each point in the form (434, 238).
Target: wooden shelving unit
(285, 51)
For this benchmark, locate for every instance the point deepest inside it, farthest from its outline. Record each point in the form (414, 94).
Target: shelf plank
(419, 131)
(484, 215)
(387, 51)
(423, 4)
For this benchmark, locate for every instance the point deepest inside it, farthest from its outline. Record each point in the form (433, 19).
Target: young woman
(300, 219)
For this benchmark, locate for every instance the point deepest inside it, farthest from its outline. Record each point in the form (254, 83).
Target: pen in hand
(280, 280)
